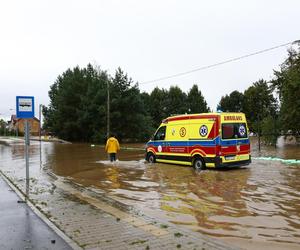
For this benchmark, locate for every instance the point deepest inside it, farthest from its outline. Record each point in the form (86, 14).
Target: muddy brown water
(253, 207)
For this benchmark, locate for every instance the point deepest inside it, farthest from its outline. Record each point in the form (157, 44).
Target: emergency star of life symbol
(203, 130)
(182, 132)
(242, 130)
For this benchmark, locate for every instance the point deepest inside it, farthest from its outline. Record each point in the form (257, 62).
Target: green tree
(163, 103)
(129, 118)
(232, 103)
(287, 84)
(259, 103)
(176, 102)
(76, 104)
(158, 105)
(270, 129)
(195, 101)
(147, 102)
(92, 110)
(2, 127)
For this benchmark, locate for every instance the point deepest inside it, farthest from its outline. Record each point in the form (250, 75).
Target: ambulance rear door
(233, 135)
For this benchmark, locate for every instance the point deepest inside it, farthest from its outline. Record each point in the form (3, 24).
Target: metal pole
(40, 117)
(275, 130)
(258, 134)
(108, 111)
(27, 143)
(40, 128)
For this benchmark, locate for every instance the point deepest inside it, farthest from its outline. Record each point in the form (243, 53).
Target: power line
(219, 63)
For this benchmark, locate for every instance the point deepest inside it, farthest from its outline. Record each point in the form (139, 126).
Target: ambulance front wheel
(151, 158)
(198, 164)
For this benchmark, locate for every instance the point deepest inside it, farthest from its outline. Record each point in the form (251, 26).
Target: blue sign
(25, 106)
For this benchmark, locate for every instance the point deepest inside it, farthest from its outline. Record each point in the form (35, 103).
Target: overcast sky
(147, 39)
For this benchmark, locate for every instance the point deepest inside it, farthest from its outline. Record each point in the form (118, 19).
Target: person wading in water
(112, 147)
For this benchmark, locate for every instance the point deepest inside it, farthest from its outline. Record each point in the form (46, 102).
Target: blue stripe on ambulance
(204, 143)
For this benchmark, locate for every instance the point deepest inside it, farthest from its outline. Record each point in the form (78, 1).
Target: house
(18, 125)
(12, 123)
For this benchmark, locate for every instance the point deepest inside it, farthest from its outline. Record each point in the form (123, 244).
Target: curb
(60, 233)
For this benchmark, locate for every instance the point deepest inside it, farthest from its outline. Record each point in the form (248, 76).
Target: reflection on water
(258, 204)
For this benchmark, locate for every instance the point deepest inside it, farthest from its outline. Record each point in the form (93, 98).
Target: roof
(34, 118)
(197, 116)
(13, 118)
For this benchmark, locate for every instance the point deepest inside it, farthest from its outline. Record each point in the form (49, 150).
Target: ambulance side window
(234, 130)
(160, 134)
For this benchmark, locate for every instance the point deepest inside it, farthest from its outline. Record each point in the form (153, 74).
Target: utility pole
(258, 133)
(97, 67)
(260, 111)
(108, 111)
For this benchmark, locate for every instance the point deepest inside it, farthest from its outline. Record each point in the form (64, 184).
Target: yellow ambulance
(208, 140)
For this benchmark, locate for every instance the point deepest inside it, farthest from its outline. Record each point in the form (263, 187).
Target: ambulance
(208, 140)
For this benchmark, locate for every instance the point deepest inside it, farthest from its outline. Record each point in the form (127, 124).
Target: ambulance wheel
(151, 158)
(198, 164)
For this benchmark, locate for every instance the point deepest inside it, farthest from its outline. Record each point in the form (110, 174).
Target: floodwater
(253, 207)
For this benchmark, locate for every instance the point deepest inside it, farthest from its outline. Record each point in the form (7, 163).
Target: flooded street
(252, 207)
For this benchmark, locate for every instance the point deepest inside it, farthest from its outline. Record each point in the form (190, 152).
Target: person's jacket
(112, 145)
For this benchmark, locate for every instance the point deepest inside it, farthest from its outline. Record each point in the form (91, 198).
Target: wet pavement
(21, 228)
(252, 207)
(91, 220)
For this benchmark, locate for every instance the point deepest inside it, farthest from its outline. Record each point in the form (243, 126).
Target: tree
(163, 103)
(76, 104)
(196, 101)
(129, 118)
(232, 103)
(2, 127)
(176, 102)
(92, 114)
(158, 105)
(287, 84)
(259, 103)
(270, 129)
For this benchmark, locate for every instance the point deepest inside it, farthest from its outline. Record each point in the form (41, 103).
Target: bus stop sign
(25, 107)
(25, 110)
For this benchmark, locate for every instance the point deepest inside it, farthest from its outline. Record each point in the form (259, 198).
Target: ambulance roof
(200, 115)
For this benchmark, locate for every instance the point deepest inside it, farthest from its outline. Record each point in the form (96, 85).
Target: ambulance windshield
(234, 130)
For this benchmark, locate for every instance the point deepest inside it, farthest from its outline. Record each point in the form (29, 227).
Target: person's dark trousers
(112, 157)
